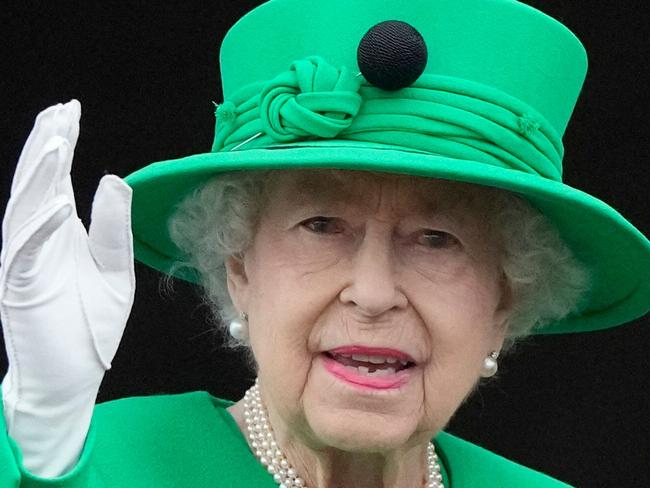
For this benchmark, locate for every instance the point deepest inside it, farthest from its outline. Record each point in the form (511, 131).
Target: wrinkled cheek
(282, 354)
(445, 387)
(284, 377)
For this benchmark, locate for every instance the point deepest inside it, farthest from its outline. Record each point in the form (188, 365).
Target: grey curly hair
(219, 219)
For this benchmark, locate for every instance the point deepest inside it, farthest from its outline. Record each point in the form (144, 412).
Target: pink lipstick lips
(369, 367)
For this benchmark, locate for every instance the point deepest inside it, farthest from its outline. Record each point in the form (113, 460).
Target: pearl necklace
(269, 454)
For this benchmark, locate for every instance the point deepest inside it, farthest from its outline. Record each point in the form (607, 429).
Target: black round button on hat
(392, 55)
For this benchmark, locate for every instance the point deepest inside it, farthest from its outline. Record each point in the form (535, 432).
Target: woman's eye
(323, 225)
(437, 239)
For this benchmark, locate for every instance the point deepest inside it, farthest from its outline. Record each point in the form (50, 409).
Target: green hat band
(437, 114)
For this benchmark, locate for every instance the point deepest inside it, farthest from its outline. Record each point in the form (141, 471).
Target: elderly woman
(380, 218)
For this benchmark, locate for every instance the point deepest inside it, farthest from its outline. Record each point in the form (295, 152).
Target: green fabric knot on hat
(312, 98)
(226, 112)
(527, 124)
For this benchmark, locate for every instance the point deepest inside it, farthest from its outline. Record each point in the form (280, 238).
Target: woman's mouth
(377, 369)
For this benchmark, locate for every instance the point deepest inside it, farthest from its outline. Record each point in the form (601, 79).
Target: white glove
(65, 295)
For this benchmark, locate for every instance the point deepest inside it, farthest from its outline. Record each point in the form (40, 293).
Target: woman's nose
(372, 286)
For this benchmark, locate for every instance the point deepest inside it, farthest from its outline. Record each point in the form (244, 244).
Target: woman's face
(372, 303)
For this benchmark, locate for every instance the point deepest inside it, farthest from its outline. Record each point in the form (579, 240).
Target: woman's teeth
(370, 365)
(374, 359)
(375, 372)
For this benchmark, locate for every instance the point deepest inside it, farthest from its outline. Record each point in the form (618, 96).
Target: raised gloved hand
(65, 295)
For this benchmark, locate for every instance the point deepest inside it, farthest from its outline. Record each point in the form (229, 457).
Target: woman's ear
(237, 281)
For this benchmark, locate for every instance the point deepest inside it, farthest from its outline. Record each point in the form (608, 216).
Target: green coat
(190, 440)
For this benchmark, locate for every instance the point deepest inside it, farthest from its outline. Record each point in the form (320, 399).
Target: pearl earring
(239, 328)
(490, 365)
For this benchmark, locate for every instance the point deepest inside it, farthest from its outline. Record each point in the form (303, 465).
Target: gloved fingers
(37, 186)
(51, 141)
(57, 120)
(63, 183)
(18, 269)
(109, 237)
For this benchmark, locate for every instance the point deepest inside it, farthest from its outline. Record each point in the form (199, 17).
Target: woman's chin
(359, 432)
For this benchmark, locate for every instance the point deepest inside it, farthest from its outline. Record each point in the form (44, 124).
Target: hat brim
(617, 254)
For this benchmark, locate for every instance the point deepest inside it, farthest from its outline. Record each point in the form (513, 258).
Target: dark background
(573, 406)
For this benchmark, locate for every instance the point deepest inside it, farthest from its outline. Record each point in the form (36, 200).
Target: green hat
(478, 91)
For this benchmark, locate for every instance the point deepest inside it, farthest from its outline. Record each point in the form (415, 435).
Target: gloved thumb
(110, 238)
